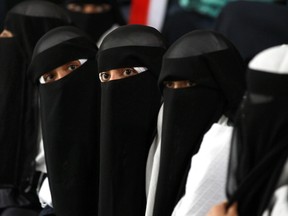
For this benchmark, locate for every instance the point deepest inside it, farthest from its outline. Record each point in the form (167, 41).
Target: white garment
(280, 207)
(152, 168)
(205, 186)
(45, 194)
(40, 159)
(272, 60)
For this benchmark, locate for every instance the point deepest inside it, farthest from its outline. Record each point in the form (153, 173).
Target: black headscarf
(261, 26)
(70, 109)
(259, 145)
(27, 21)
(96, 24)
(30, 20)
(211, 62)
(129, 109)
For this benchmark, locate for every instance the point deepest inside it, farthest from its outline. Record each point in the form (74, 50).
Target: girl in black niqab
(202, 78)
(64, 67)
(129, 109)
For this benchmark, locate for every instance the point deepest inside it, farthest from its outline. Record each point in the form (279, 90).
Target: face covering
(70, 120)
(205, 58)
(96, 24)
(259, 146)
(129, 109)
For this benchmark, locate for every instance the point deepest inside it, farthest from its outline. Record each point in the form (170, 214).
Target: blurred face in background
(89, 8)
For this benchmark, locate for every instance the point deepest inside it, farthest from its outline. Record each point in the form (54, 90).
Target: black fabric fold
(27, 21)
(12, 70)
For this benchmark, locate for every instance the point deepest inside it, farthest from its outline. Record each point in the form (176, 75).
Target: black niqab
(70, 109)
(129, 109)
(211, 62)
(96, 24)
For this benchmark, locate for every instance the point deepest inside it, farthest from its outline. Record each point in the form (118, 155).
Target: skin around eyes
(60, 72)
(115, 74)
(179, 84)
(221, 210)
(89, 8)
(6, 34)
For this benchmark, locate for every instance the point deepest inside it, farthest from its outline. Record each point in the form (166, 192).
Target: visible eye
(169, 84)
(179, 84)
(106, 7)
(104, 76)
(48, 77)
(74, 7)
(72, 67)
(78, 8)
(129, 72)
(98, 9)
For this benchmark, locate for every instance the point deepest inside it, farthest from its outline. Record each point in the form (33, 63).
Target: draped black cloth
(12, 70)
(19, 137)
(129, 109)
(216, 72)
(70, 119)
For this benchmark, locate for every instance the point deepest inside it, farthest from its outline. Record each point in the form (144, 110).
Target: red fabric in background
(139, 12)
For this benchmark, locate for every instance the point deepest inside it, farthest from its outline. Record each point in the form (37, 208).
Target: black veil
(211, 62)
(70, 118)
(129, 109)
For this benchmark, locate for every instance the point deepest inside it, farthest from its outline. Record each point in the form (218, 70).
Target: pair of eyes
(69, 67)
(89, 8)
(60, 72)
(127, 72)
(115, 74)
(179, 84)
